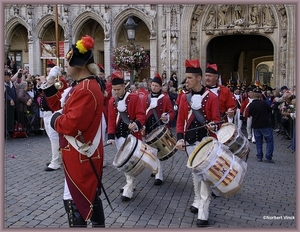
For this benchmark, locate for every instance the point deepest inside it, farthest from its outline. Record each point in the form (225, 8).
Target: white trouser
(103, 123)
(202, 197)
(128, 188)
(159, 174)
(237, 122)
(249, 129)
(54, 140)
(202, 192)
(67, 194)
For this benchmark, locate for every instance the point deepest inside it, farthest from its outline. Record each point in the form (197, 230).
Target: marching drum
(136, 158)
(232, 137)
(162, 139)
(216, 164)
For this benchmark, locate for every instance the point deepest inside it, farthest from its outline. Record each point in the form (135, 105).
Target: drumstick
(226, 114)
(199, 127)
(158, 120)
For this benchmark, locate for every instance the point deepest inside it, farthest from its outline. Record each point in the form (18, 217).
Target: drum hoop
(136, 162)
(200, 145)
(164, 130)
(234, 134)
(169, 155)
(128, 158)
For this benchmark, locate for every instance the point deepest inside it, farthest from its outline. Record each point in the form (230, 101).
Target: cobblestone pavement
(33, 197)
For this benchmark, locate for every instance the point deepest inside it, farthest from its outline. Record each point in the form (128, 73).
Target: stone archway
(234, 55)
(274, 22)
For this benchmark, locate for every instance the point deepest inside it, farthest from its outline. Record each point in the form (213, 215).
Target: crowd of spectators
(22, 101)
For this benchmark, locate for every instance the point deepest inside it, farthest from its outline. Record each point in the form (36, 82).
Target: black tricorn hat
(80, 54)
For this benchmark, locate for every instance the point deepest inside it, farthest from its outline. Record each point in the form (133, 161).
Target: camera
(19, 74)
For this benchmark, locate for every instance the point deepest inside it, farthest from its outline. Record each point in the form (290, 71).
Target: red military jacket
(142, 93)
(245, 108)
(52, 94)
(82, 112)
(226, 99)
(209, 109)
(134, 110)
(164, 105)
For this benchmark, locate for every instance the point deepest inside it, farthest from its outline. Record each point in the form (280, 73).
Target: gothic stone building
(248, 42)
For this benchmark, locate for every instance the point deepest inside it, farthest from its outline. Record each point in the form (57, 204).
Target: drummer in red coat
(159, 111)
(227, 100)
(79, 126)
(199, 107)
(126, 115)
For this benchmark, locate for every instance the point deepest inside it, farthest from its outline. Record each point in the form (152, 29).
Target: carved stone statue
(194, 25)
(210, 21)
(174, 54)
(30, 22)
(238, 13)
(66, 23)
(222, 15)
(283, 47)
(163, 56)
(194, 50)
(152, 15)
(106, 18)
(254, 17)
(267, 16)
(282, 12)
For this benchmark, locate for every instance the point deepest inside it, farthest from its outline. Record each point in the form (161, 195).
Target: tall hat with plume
(81, 54)
(117, 78)
(157, 79)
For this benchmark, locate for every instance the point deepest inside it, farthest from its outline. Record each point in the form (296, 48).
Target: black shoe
(214, 195)
(202, 223)
(269, 161)
(47, 169)
(152, 175)
(121, 190)
(123, 198)
(193, 209)
(259, 160)
(157, 182)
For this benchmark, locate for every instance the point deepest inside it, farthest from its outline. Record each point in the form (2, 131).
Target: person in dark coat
(262, 126)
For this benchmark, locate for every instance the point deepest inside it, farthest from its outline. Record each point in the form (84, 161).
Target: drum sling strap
(197, 113)
(154, 111)
(156, 117)
(123, 114)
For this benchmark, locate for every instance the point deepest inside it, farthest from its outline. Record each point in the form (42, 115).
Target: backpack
(19, 131)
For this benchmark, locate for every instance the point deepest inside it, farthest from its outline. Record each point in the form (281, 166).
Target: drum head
(125, 151)
(156, 133)
(201, 152)
(226, 132)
